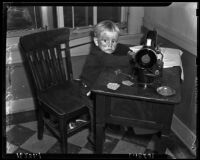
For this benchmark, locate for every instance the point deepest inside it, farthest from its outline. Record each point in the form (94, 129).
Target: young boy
(106, 52)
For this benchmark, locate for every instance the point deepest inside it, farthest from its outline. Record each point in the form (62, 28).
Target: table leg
(156, 144)
(166, 130)
(99, 138)
(100, 106)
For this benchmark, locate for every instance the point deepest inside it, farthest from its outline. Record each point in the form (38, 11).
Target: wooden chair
(59, 98)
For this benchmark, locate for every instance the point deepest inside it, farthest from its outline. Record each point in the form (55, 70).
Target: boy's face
(107, 41)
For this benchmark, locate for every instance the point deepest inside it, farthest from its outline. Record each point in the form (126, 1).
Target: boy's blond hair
(105, 25)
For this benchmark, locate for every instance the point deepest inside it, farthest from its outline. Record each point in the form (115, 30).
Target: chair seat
(63, 99)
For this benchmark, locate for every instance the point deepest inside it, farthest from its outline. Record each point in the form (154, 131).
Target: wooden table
(134, 106)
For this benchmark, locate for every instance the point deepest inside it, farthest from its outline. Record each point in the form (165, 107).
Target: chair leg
(63, 135)
(40, 124)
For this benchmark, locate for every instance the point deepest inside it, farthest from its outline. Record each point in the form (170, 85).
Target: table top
(171, 77)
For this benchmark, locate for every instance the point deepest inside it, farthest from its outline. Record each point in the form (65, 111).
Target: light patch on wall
(177, 23)
(190, 9)
(20, 105)
(182, 16)
(9, 95)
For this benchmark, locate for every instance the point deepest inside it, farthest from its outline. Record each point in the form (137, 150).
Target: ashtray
(166, 91)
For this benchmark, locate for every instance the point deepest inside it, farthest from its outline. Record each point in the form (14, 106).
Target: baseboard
(20, 105)
(183, 133)
(172, 35)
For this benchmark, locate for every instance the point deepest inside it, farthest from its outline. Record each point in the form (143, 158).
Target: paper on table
(136, 48)
(171, 57)
(113, 86)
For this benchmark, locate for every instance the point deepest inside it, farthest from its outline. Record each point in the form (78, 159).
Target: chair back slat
(47, 62)
(33, 69)
(54, 65)
(69, 64)
(60, 65)
(45, 69)
(45, 55)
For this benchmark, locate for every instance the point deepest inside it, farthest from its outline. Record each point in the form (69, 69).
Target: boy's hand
(84, 88)
(132, 54)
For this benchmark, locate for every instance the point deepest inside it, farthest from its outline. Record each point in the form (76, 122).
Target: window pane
(23, 18)
(83, 16)
(67, 16)
(108, 13)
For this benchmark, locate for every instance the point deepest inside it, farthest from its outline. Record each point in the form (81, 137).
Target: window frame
(47, 23)
(60, 16)
(22, 32)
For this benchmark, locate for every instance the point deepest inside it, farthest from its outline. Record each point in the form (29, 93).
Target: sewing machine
(148, 62)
